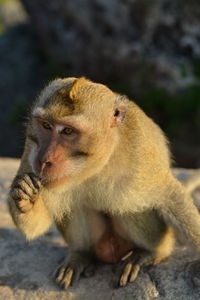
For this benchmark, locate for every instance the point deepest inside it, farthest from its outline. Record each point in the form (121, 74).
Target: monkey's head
(72, 130)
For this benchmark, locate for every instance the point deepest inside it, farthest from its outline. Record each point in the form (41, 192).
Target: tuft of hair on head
(75, 86)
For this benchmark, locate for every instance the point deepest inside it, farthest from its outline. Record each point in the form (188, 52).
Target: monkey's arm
(26, 204)
(32, 223)
(181, 212)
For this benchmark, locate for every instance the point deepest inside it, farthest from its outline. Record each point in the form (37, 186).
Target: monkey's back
(144, 135)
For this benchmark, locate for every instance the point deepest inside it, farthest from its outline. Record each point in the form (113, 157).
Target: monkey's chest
(111, 247)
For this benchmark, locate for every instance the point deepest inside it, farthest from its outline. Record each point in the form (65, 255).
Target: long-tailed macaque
(99, 168)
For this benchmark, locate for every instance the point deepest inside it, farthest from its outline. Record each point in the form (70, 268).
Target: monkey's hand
(24, 191)
(73, 267)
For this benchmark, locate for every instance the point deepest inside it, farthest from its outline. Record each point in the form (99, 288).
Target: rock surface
(26, 269)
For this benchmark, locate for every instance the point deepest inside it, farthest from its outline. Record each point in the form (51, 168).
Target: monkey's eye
(67, 131)
(46, 125)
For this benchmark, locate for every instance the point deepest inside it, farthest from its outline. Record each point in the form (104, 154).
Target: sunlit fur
(125, 174)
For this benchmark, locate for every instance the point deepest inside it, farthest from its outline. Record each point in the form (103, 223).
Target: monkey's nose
(45, 166)
(48, 164)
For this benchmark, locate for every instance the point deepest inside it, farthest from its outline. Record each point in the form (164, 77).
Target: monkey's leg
(81, 259)
(179, 211)
(153, 241)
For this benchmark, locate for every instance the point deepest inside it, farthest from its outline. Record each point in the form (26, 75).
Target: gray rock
(26, 269)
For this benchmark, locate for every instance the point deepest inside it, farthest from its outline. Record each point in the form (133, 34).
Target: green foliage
(175, 113)
(3, 1)
(1, 24)
(196, 67)
(1, 27)
(17, 113)
(53, 68)
(178, 114)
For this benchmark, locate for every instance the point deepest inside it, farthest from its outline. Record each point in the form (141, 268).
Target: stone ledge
(26, 269)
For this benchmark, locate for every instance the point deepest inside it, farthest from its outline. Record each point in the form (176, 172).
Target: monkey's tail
(192, 182)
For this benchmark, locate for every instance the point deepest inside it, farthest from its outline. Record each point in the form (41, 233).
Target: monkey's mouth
(53, 182)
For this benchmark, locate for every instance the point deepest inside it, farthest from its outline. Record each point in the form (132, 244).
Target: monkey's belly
(111, 248)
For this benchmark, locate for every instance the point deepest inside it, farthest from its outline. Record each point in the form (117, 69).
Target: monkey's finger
(26, 188)
(134, 272)
(29, 182)
(18, 194)
(66, 281)
(125, 275)
(35, 180)
(24, 205)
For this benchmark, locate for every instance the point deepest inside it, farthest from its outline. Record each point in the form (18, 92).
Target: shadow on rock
(28, 266)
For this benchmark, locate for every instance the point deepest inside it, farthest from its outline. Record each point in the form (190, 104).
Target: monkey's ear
(119, 113)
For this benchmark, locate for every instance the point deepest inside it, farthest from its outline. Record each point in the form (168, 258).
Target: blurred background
(147, 49)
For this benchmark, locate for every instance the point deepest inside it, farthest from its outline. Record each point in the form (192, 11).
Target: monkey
(100, 169)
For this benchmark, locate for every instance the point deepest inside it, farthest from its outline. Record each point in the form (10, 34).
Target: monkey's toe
(63, 277)
(126, 270)
(128, 274)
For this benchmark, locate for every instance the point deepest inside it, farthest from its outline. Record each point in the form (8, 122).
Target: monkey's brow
(40, 113)
(72, 120)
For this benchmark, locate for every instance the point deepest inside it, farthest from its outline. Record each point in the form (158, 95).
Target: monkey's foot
(70, 270)
(128, 268)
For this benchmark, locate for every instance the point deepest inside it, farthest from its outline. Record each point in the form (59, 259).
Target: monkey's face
(71, 140)
(55, 149)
